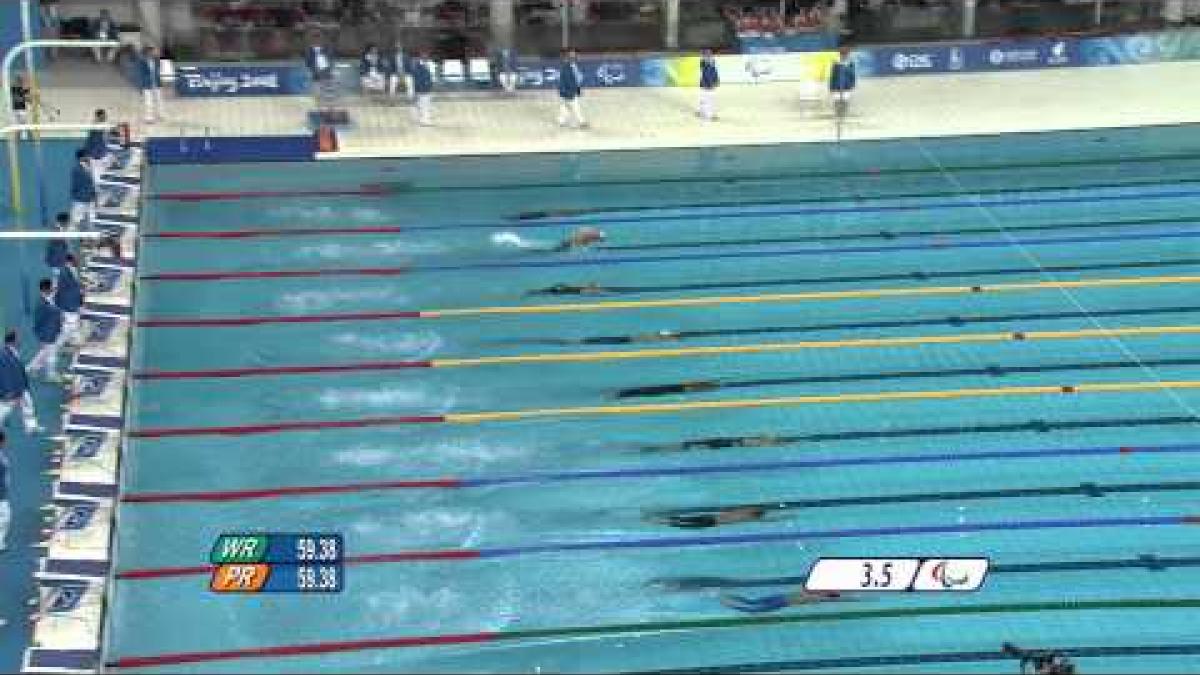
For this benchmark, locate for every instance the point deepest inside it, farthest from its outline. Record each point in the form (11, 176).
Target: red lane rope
(362, 191)
(278, 370)
(276, 274)
(261, 320)
(249, 429)
(293, 232)
(294, 491)
(405, 556)
(302, 649)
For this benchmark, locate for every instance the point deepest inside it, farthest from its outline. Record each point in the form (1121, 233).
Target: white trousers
(570, 112)
(72, 329)
(373, 82)
(45, 360)
(28, 414)
(83, 215)
(508, 81)
(152, 104)
(423, 111)
(706, 107)
(397, 82)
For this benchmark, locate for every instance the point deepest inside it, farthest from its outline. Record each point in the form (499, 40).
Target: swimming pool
(974, 347)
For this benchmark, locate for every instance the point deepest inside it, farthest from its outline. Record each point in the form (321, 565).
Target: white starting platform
(77, 543)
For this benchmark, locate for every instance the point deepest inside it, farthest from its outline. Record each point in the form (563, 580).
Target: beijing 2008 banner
(241, 80)
(1179, 45)
(684, 71)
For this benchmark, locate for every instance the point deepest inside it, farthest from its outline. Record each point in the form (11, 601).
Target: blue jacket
(47, 322)
(506, 61)
(14, 381)
(310, 60)
(370, 62)
(842, 77)
(570, 80)
(83, 186)
(422, 77)
(96, 144)
(709, 77)
(56, 253)
(394, 63)
(69, 294)
(148, 73)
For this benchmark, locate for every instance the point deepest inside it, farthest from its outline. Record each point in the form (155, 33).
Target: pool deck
(895, 107)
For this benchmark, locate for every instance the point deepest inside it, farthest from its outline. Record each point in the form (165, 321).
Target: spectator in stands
(104, 28)
(14, 385)
(396, 67)
(710, 79)
(506, 69)
(57, 249)
(68, 296)
(83, 192)
(570, 90)
(422, 87)
(48, 328)
(370, 70)
(149, 81)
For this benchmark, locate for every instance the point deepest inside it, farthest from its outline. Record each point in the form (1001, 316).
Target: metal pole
(6, 74)
(564, 17)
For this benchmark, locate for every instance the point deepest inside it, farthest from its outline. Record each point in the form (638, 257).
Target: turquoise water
(1004, 213)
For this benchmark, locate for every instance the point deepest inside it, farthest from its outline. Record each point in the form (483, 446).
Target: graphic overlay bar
(897, 574)
(277, 563)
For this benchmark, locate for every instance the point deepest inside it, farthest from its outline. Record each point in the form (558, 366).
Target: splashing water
(327, 213)
(338, 251)
(303, 302)
(416, 345)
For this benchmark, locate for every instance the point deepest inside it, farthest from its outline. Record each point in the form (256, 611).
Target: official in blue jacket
(842, 80)
(57, 249)
(370, 70)
(396, 68)
(570, 90)
(710, 79)
(83, 192)
(14, 385)
(506, 69)
(149, 81)
(318, 61)
(48, 328)
(422, 84)
(68, 296)
(5, 508)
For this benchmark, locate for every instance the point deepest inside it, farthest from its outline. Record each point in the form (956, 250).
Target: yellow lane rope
(578, 357)
(798, 297)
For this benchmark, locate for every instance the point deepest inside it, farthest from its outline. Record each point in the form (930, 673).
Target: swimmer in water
(690, 387)
(581, 238)
(764, 441)
(731, 516)
(591, 288)
(774, 603)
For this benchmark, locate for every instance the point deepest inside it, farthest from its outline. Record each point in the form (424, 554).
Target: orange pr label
(239, 578)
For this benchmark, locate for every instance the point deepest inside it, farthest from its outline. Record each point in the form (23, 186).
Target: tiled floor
(624, 118)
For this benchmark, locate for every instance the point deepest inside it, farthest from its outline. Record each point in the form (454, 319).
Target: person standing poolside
(48, 328)
(83, 192)
(68, 296)
(14, 386)
(422, 84)
(570, 90)
(58, 249)
(395, 66)
(370, 71)
(149, 81)
(843, 78)
(506, 70)
(710, 79)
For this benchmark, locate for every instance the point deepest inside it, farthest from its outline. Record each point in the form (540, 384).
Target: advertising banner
(969, 57)
(1177, 45)
(597, 73)
(241, 80)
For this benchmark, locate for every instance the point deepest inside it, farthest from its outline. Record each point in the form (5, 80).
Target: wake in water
(340, 251)
(512, 240)
(386, 399)
(307, 302)
(325, 214)
(419, 345)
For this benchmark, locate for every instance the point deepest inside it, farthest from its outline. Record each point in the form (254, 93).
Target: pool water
(961, 347)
